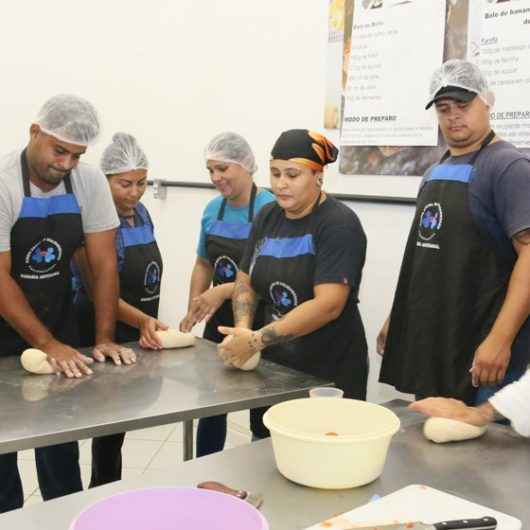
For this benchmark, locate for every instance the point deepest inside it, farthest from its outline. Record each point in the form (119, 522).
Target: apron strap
(221, 212)
(68, 184)
(251, 204)
(25, 174)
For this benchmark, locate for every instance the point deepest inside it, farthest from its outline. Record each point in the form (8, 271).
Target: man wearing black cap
(459, 324)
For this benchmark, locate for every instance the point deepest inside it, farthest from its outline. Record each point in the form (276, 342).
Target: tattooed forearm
(244, 302)
(523, 237)
(270, 336)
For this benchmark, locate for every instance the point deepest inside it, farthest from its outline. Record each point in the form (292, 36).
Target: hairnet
(70, 119)
(233, 148)
(122, 155)
(461, 74)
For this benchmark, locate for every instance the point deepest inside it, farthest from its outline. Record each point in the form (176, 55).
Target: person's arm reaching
(16, 310)
(493, 355)
(101, 257)
(510, 402)
(203, 302)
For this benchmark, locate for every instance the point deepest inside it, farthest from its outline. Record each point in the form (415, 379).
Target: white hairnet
(122, 155)
(231, 147)
(461, 74)
(70, 119)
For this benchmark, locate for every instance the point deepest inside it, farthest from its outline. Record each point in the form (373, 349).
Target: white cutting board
(415, 503)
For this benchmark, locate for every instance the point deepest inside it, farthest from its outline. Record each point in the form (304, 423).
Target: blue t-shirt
(232, 214)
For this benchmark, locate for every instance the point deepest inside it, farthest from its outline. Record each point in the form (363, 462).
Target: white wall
(174, 73)
(177, 221)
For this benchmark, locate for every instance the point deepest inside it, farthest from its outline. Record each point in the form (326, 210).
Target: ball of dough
(35, 361)
(252, 363)
(173, 338)
(442, 430)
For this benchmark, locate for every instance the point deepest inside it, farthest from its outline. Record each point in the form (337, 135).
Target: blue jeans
(57, 471)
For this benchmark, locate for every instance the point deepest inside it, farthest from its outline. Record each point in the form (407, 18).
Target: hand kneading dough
(252, 363)
(172, 338)
(442, 430)
(35, 361)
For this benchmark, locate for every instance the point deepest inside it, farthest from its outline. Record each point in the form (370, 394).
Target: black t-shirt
(286, 259)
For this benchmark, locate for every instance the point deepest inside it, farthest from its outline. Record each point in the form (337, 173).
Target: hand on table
(490, 362)
(454, 409)
(65, 359)
(148, 337)
(239, 345)
(119, 354)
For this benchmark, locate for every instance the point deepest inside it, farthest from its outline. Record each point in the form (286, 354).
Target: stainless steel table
(163, 387)
(493, 471)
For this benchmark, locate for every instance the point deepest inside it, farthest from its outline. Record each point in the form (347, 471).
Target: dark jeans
(211, 432)
(106, 459)
(58, 474)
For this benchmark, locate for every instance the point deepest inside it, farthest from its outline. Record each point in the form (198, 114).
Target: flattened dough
(252, 363)
(35, 361)
(173, 338)
(442, 430)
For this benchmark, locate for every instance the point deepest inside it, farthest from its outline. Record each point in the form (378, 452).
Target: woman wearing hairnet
(225, 227)
(304, 259)
(140, 273)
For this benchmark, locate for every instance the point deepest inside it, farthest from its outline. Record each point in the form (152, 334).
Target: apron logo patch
(283, 298)
(431, 220)
(152, 277)
(44, 256)
(225, 269)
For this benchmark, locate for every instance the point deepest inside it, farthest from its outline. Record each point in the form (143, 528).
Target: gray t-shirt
(89, 185)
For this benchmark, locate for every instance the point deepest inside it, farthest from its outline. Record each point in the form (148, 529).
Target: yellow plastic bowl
(330, 443)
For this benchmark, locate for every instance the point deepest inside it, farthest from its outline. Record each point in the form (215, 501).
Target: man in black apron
(43, 209)
(459, 321)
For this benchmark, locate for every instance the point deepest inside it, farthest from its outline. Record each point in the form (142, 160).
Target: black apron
(43, 241)
(451, 287)
(140, 279)
(225, 244)
(335, 352)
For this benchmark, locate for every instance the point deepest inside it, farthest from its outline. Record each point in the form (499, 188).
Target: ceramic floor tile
(34, 499)
(135, 453)
(27, 456)
(138, 453)
(28, 475)
(239, 419)
(177, 435)
(169, 456)
(160, 433)
(235, 439)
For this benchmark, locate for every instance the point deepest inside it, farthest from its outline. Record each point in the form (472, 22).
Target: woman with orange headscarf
(304, 259)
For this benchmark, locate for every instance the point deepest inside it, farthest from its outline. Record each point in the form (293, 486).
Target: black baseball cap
(452, 92)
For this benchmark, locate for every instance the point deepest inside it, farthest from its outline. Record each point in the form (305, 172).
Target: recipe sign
(499, 42)
(395, 46)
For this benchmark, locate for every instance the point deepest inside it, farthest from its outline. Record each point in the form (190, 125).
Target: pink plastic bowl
(170, 509)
